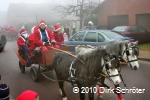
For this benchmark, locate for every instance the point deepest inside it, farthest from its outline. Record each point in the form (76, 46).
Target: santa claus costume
(21, 41)
(58, 35)
(31, 43)
(22, 45)
(44, 37)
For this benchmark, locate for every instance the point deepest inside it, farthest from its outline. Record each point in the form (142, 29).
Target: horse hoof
(65, 98)
(100, 97)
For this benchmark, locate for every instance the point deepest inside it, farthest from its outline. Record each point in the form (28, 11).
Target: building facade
(112, 13)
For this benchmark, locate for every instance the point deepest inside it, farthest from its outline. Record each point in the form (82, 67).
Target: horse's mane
(115, 47)
(93, 63)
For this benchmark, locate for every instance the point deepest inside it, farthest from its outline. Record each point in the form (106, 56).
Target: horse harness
(127, 53)
(72, 72)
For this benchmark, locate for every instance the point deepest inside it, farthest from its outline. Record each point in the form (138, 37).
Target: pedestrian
(58, 35)
(65, 37)
(91, 25)
(28, 95)
(74, 28)
(4, 91)
(66, 30)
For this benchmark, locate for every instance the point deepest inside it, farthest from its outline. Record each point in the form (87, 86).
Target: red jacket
(38, 37)
(27, 95)
(31, 38)
(59, 38)
(34, 29)
(20, 41)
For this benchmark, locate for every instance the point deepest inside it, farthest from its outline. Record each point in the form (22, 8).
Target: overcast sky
(5, 3)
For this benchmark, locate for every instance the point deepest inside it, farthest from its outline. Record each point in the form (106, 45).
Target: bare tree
(79, 8)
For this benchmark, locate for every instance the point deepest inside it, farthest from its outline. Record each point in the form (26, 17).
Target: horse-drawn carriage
(89, 66)
(37, 60)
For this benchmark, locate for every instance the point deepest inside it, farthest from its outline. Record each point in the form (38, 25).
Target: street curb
(144, 59)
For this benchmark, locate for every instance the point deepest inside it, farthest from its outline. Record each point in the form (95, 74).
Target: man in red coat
(44, 37)
(58, 35)
(34, 29)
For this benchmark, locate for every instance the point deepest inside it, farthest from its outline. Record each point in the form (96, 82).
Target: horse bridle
(127, 54)
(108, 76)
(106, 65)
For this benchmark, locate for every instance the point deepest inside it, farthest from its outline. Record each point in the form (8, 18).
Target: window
(120, 28)
(133, 29)
(112, 35)
(100, 38)
(141, 29)
(78, 36)
(90, 37)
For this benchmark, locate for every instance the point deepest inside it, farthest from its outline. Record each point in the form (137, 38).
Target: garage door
(143, 20)
(119, 20)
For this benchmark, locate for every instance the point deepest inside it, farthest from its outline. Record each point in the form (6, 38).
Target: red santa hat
(23, 31)
(27, 95)
(42, 22)
(56, 27)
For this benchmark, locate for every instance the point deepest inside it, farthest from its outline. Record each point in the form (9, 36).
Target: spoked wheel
(34, 73)
(22, 67)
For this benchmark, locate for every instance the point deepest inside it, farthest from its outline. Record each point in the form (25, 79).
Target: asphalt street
(48, 90)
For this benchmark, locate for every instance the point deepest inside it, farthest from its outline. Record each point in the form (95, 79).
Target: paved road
(48, 90)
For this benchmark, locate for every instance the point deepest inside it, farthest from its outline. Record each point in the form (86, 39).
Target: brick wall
(122, 7)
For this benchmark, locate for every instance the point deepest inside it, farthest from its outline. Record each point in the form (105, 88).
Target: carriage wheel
(34, 73)
(22, 67)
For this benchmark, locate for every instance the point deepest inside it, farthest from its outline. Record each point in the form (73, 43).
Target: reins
(67, 52)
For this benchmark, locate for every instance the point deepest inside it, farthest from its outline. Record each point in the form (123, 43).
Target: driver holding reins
(44, 38)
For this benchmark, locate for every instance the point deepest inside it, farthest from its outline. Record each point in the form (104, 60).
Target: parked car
(96, 28)
(95, 38)
(135, 31)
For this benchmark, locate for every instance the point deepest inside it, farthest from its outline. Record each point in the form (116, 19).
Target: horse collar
(72, 70)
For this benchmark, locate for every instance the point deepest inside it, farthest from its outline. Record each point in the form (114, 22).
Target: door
(90, 39)
(77, 39)
(143, 20)
(137, 33)
(120, 20)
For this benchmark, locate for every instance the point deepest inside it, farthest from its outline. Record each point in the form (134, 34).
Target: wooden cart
(47, 66)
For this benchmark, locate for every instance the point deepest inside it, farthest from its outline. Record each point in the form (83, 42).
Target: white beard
(25, 35)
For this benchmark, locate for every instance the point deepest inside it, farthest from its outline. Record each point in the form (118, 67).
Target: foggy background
(29, 12)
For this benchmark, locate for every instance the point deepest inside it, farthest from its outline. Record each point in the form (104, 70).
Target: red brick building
(112, 13)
